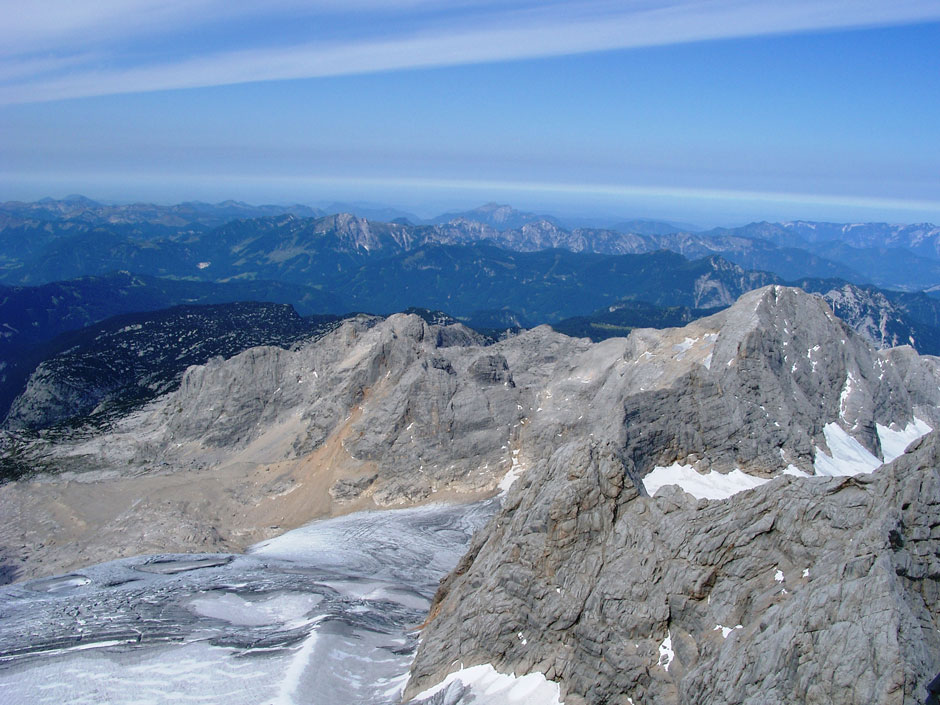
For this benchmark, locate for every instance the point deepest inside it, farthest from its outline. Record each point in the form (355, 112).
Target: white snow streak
(711, 485)
(894, 443)
(493, 688)
(725, 631)
(512, 474)
(295, 671)
(846, 393)
(794, 470)
(666, 654)
(849, 457)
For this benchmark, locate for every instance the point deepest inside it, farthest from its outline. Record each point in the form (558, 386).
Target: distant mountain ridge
(476, 271)
(495, 215)
(54, 240)
(81, 209)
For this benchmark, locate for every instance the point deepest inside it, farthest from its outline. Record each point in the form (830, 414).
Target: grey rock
(596, 576)
(272, 438)
(834, 583)
(419, 407)
(348, 489)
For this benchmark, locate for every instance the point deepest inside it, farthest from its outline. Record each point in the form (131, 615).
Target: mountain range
(723, 512)
(50, 240)
(712, 478)
(494, 268)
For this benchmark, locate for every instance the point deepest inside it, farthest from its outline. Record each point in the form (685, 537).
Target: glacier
(325, 614)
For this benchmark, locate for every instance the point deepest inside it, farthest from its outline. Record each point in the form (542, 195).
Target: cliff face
(377, 413)
(414, 406)
(802, 589)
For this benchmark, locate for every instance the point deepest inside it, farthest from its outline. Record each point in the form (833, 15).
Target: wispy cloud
(615, 190)
(377, 36)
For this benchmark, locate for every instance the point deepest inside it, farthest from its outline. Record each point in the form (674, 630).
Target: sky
(709, 112)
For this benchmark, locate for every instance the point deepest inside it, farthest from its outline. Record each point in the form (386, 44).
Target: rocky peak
(760, 593)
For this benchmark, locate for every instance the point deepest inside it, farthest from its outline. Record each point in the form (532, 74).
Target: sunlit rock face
(778, 560)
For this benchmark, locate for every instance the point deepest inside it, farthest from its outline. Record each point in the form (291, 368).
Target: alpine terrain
(738, 510)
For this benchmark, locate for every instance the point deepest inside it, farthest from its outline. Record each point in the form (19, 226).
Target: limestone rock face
(430, 406)
(810, 590)
(752, 388)
(806, 589)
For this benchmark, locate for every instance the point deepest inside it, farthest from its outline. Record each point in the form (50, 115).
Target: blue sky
(713, 112)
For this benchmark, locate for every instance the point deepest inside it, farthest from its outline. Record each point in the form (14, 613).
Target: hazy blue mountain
(496, 215)
(496, 320)
(897, 256)
(653, 227)
(370, 211)
(622, 317)
(285, 246)
(791, 263)
(541, 286)
(79, 209)
(922, 238)
(894, 267)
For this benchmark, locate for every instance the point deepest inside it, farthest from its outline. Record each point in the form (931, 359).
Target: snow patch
(680, 348)
(666, 654)
(794, 470)
(725, 631)
(711, 485)
(895, 443)
(512, 474)
(489, 687)
(849, 457)
(846, 393)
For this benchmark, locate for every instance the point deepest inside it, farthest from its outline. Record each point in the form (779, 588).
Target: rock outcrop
(426, 406)
(378, 413)
(805, 589)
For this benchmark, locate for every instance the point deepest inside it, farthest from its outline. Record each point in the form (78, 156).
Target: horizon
(417, 215)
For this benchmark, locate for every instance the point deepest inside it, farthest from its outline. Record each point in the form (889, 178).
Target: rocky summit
(717, 513)
(378, 413)
(781, 571)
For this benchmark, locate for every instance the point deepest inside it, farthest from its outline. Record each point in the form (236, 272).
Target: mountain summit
(713, 524)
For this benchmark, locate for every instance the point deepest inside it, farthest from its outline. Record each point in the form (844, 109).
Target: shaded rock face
(751, 388)
(126, 361)
(833, 582)
(805, 590)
